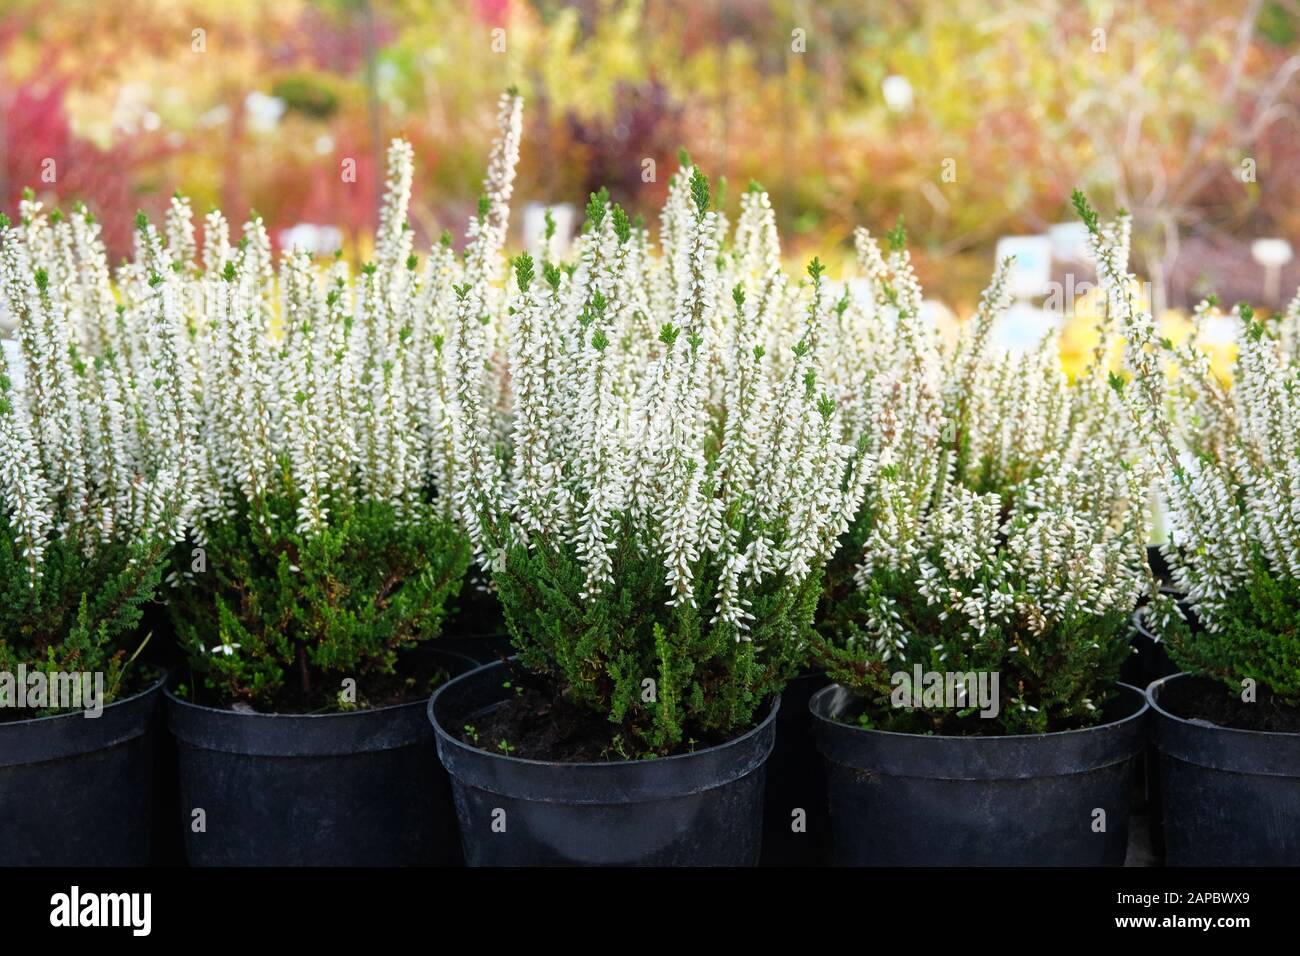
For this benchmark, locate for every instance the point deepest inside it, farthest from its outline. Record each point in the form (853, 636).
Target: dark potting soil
(539, 723)
(416, 677)
(864, 714)
(1198, 698)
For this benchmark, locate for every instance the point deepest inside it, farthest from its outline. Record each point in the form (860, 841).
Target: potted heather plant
(327, 546)
(93, 476)
(1226, 729)
(975, 718)
(672, 493)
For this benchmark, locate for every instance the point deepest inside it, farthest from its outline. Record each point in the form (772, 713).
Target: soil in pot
(1199, 699)
(1229, 774)
(703, 807)
(419, 673)
(535, 723)
(77, 790)
(358, 788)
(1056, 799)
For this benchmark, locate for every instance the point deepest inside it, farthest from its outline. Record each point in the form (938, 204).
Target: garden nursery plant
(675, 482)
(93, 474)
(327, 542)
(977, 619)
(1228, 728)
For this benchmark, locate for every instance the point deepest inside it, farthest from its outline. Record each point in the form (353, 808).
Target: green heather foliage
(82, 614)
(300, 612)
(1070, 672)
(707, 681)
(1257, 634)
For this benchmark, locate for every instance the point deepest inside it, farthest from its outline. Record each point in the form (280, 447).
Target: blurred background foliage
(1182, 111)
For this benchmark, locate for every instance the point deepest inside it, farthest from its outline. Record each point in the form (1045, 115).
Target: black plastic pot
(345, 789)
(796, 825)
(163, 652)
(76, 790)
(1229, 797)
(698, 809)
(1021, 800)
(1150, 660)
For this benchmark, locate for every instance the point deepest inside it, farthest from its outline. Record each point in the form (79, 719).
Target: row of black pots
(367, 789)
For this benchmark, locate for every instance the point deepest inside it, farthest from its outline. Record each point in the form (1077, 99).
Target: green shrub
(93, 468)
(675, 479)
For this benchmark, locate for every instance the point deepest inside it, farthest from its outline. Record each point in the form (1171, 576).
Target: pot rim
(1136, 715)
(1152, 696)
(386, 708)
(1006, 757)
(333, 734)
(61, 736)
(1139, 624)
(444, 736)
(121, 701)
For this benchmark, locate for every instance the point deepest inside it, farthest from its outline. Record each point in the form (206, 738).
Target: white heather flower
(96, 326)
(216, 243)
(95, 450)
(640, 420)
(24, 491)
(537, 493)
(181, 245)
(1011, 497)
(393, 239)
(757, 242)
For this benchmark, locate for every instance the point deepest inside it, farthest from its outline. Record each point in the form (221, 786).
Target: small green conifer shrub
(327, 538)
(674, 477)
(94, 464)
(986, 583)
(1230, 463)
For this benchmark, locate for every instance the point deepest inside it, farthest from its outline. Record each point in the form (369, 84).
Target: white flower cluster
(1015, 497)
(673, 404)
(695, 404)
(88, 416)
(224, 378)
(1237, 492)
(330, 386)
